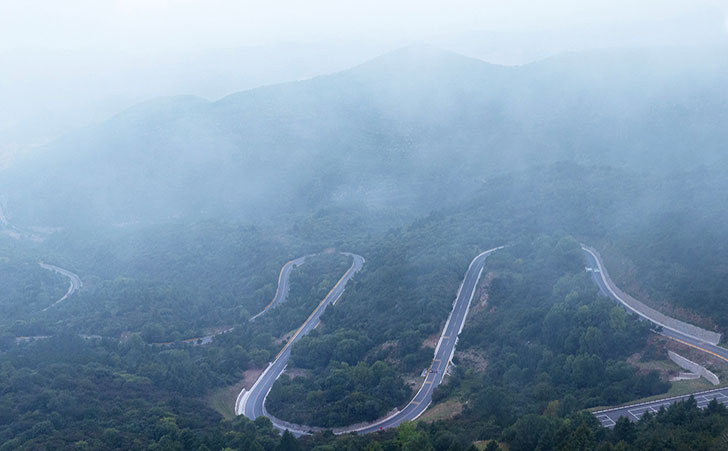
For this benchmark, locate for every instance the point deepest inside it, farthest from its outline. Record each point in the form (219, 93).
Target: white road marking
(606, 421)
(418, 404)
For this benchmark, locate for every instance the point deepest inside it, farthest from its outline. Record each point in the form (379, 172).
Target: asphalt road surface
(598, 277)
(443, 352)
(252, 403)
(608, 418)
(74, 285)
(716, 351)
(283, 285)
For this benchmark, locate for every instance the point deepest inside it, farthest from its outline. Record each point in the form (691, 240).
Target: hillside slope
(407, 131)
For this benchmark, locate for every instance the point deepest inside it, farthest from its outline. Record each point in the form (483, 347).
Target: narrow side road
(74, 285)
(283, 286)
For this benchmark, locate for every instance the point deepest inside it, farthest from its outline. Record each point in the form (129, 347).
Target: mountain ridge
(403, 129)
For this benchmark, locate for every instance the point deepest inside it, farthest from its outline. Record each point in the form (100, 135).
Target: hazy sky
(149, 26)
(67, 63)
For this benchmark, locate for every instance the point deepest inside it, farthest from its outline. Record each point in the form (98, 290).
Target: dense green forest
(178, 214)
(403, 296)
(55, 391)
(27, 288)
(545, 329)
(181, 281)
(340, 394)
(552, 347)
(675, 251)
(551, 343)
(681, 426)
(412, 274)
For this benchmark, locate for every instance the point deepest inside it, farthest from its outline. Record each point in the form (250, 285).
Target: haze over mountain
(406, 131)
(88, 86)
(383, 225)
(55, 83)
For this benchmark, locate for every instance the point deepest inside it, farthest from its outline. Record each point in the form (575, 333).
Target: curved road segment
(283, 286)
(75, 282)
(600, 277)
(608, 417)
(252, 403)
(443, 352)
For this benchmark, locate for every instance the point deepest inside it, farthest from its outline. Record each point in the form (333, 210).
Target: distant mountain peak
(419, 54)
(420, 63)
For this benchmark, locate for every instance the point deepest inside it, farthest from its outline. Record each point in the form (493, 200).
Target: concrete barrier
(652, 314)
(693, 367)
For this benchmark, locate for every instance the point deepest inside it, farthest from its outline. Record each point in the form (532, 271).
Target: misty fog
(336, 225)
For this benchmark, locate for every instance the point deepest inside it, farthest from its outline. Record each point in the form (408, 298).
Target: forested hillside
(181, 281)
(406, 132)
(179, 214)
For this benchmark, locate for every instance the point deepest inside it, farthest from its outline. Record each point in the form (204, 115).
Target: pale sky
(65, 64)
(149, 26)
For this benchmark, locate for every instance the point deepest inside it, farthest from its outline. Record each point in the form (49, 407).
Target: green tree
(624, 430)
(288, 443)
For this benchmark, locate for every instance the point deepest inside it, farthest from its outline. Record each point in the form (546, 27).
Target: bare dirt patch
(414, 382)
(285, 338)
(249, 377)
(714, 364)
(442, 411)
(654, 357)
(296, 372)
(471, 359)
(482, 444)
(388, 345)
(665, 368)
(480, 298)
(390, 350)
(431, 341)
(223, 399)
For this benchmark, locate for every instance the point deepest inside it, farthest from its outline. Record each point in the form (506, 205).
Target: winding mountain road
(672, 331)
(443, 352)
(283, 285)
(607, 288)
(252, 403)
(74, 285)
